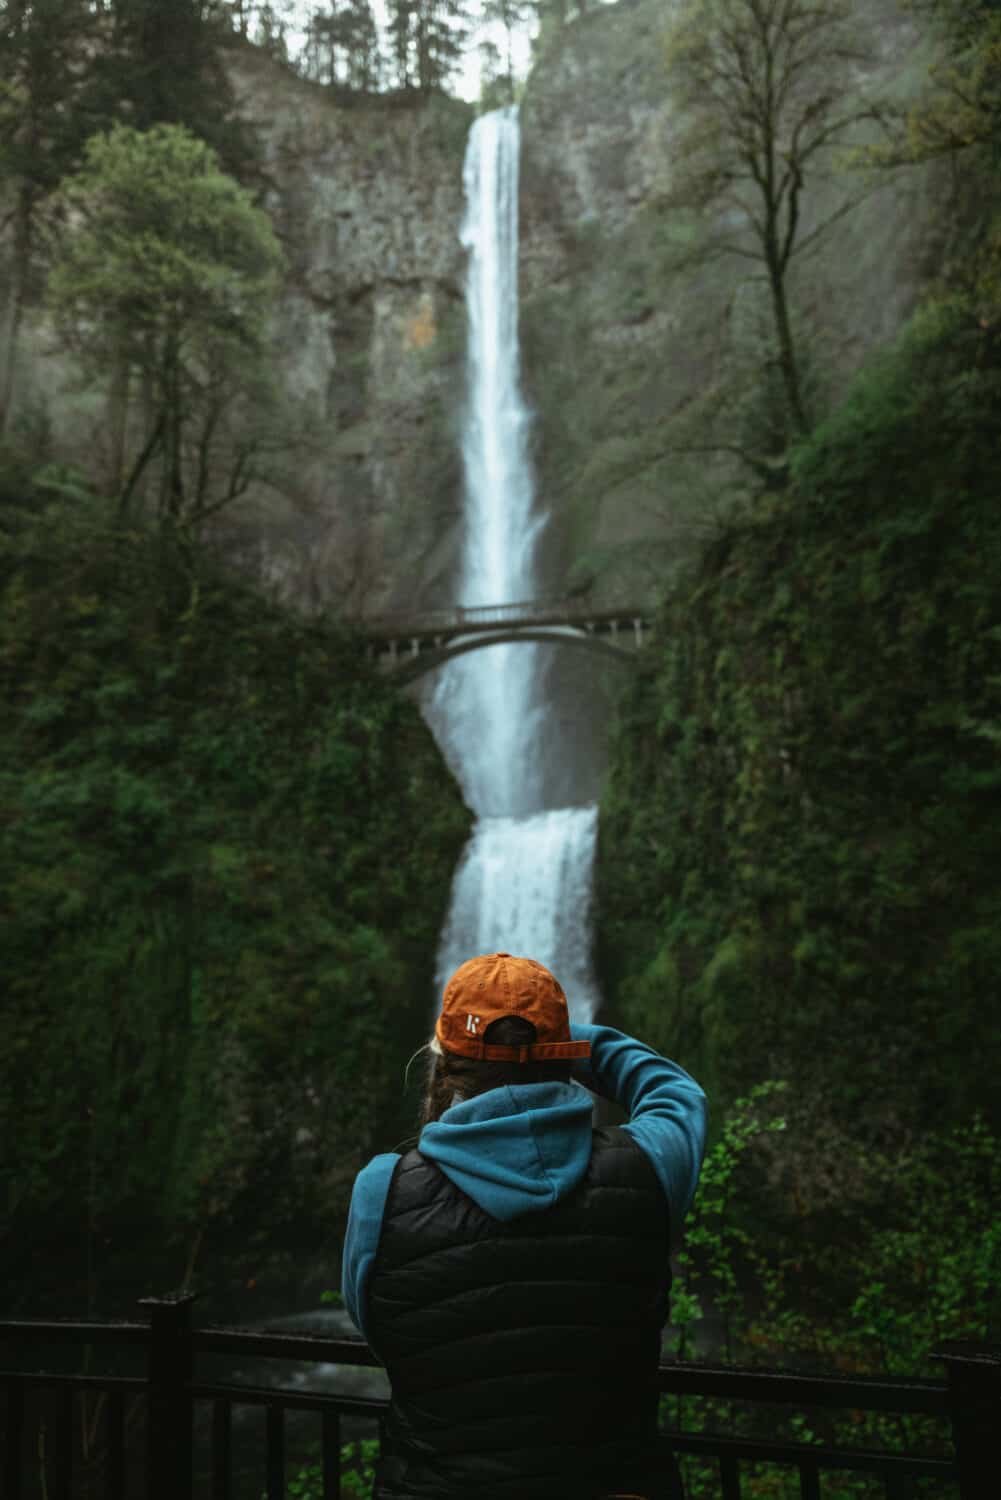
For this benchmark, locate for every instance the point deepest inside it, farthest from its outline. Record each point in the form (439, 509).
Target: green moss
(226, 845)
(797, 865)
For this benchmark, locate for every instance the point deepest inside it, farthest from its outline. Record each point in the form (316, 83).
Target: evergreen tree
(401, 27)
(343, 45)
(43, 47)
(428, 39)
(273, 23)
(441, 33)
(508, 16)
(162, 66)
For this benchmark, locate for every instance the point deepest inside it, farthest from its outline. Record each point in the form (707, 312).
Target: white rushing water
(524, 884)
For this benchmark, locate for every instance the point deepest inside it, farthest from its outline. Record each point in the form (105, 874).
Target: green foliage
(225, 850)
(797, 868)
(920, 1265)
(160, 62)
(358, 1461)
(41, 127)
(161, 242)
(961, 103)
(426, 39)
(343, 46)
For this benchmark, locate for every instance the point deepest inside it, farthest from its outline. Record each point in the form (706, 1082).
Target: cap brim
(536, 1052)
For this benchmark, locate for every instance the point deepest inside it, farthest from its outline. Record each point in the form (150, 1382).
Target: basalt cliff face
(365, 513)
(367, 199)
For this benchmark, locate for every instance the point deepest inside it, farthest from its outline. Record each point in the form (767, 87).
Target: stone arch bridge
(410, 645)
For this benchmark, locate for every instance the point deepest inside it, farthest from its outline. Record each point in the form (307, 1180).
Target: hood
(514, 1150)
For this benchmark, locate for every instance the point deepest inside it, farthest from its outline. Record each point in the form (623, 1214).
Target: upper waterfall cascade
(524, 884)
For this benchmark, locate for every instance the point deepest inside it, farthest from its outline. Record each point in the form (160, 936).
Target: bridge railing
(173, 1404)
(457, 618)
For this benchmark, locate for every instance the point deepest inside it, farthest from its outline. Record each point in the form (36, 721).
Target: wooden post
(973, 1372)
(168, 1411)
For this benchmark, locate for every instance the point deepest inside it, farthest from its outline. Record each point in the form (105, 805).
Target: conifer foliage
(43, 126)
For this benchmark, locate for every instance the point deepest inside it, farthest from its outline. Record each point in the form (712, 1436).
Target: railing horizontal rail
(57, 1330)
(862, 1393)
(283, 1346)
(264, 1395)
(235, 1391)
(51, 1378)
(859, 1460)
(865, 1393)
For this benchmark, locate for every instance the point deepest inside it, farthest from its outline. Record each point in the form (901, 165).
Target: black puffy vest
(523, 1355)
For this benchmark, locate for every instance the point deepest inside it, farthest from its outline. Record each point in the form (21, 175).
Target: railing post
(973, 1372)
(168, 1413)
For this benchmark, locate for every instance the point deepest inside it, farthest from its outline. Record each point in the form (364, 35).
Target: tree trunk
(787, 351)
(16, 298)
(139, 468)
(118, 421)
(172, 482)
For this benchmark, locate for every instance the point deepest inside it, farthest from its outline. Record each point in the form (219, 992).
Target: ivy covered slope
(798, 868)
(226, 845)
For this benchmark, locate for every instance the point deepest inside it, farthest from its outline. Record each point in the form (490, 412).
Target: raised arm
(666, 1107)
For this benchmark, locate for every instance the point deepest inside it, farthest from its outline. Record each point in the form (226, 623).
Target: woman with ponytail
(512, 1271)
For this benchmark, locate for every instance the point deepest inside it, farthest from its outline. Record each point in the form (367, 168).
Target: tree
(400, 20)
(343, 45)
(506, 17)
(961, 108)
(42, 46)
(161, 65)
(273, 24)
(168, 268)
(762, 84)
(427, 40)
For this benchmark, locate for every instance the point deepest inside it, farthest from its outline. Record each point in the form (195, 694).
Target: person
(512, 1272)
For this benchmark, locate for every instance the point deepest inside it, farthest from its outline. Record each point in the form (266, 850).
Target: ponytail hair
(451, 1078)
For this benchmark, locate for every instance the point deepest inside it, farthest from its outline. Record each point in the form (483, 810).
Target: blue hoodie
(522, 1148)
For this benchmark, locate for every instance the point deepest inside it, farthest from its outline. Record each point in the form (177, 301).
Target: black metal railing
(155, 1458)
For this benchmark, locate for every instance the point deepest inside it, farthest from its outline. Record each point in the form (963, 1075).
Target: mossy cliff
(797, 872)
(226, 844)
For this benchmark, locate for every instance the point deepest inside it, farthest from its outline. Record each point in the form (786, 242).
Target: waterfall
(524, 883)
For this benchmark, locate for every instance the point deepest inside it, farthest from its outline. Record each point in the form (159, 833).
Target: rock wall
(367, 199)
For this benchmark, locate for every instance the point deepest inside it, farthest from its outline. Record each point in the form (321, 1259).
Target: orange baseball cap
(494, 985)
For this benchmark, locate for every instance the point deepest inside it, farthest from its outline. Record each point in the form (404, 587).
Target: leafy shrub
(921, 1265)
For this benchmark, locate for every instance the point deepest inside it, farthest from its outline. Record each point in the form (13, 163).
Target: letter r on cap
(472, 1023)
